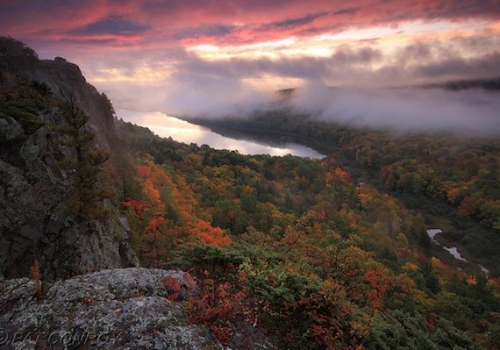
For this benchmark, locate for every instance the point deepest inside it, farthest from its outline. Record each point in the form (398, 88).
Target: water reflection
(182, 131)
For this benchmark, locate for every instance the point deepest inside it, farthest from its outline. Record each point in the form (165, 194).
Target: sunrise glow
(174, 55)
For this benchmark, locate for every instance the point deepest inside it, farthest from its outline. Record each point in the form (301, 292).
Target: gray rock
(111, 309)
(36, 224)
(34, 149)
(10, 129)
(75, 247)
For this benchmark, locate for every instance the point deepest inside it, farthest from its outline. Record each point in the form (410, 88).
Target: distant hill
(456, 85)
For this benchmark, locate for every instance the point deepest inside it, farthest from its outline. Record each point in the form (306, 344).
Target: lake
(182, 131)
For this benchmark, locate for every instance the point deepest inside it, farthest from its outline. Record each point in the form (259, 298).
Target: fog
(210, 91)
(221, 100)
(472, 112)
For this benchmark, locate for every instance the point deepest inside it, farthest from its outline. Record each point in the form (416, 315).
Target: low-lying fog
(472, 112)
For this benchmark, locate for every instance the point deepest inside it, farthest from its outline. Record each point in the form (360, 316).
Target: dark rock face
(62, 77)
(10, 129)
(110, 309)
(35, 222)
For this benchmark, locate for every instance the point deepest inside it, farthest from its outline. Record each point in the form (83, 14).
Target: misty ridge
(471, 112)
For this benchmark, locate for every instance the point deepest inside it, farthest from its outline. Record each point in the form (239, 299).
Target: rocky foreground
(109, 309)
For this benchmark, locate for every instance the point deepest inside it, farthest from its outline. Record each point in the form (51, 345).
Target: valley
(475, 240)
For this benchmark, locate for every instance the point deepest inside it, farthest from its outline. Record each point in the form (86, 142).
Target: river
(182, 131)
(432, 232)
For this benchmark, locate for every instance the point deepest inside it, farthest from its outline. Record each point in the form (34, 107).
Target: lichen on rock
(109, 309)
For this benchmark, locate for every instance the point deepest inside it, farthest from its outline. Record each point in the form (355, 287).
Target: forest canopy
(304, 249)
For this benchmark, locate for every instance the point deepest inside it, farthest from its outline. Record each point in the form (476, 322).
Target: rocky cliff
(41, 167)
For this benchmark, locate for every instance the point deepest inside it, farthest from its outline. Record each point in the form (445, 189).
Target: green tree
(87, 191)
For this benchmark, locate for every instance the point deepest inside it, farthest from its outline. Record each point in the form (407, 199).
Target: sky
(200, 56)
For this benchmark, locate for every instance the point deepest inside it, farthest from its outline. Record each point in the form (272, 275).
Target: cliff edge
(56, 132)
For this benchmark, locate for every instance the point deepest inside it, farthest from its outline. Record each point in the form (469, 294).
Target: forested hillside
(452, 179)
(302, 249)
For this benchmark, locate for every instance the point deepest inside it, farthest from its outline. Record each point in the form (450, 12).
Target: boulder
(109, 309)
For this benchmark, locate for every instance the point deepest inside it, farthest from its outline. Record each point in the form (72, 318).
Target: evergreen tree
(87, 191)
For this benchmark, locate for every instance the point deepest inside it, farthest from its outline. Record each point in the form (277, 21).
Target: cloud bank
(219, 88)
(472, 112)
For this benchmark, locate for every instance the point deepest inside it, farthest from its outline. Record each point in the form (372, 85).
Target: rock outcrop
(110, 309)
(36, 222)
(10, 129)
(62, 78)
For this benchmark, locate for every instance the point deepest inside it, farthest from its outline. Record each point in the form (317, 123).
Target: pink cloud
(223, 21)
(139, 41)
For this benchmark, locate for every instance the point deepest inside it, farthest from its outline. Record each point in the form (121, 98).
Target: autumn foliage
(165, 216)
(212, 235)
(304, 252)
